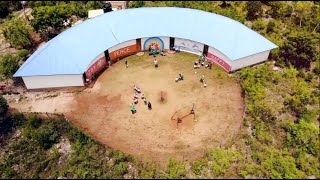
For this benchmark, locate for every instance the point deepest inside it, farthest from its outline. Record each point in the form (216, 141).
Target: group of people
(137, 91)
(201, 61)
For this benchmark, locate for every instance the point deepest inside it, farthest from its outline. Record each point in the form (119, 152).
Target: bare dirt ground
(103, 111)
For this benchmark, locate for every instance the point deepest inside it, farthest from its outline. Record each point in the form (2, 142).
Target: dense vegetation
(280, 134)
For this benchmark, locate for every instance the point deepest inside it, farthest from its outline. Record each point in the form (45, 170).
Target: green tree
(16, 33)
(299, 50)
(5, 121)
(176, 170)
(3, 106)
(51, 17)
(8, 65)
(304, 136)
(136, 4)
(270, 27)
(277, 9)
(4, 9)
(302, 9)
(94, 5)
(254, 9)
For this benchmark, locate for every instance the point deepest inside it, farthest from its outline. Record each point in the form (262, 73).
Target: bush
(9, 64)
(176, 170)
(18, 119)
(34, 121)
(198, 165)
(46, 135)
(23, 54)
(222, 159)
(304, 136)
(270, 27)
(3, 106)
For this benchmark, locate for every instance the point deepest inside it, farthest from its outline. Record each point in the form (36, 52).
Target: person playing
(126, 64)
(202, 78)
(195, 65)
(162, 53)
(205, 85)
(132, 108)
(177, 79)
(145, 101)
(136, 89)
(155, 63)
(142, 96)
(135, 100)
(149, 106)
(135, 96)
(181, 76)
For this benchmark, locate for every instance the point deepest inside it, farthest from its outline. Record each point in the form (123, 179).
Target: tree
(8, 65)
(16, 33)
(94, 5)
(254, 9)
(303, 8)
(277, 9)
(299, 50)
(3, 106)
(270, 27)
(136, 4)
(51, 17)
(4, 9)
(5, 122)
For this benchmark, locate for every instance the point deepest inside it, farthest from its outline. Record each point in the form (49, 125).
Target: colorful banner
(154, 43)
(219, 61)
(96, 67)
(123, 52)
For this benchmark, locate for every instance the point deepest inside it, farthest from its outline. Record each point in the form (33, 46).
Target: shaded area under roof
(73, 50)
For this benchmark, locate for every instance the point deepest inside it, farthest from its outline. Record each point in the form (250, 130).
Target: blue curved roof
(72, 51)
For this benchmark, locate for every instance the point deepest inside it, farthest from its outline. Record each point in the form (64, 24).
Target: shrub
(176, 170)
(18, 119)
(222, 159)
(23, 54)
(34, 121)
(46, 135)
(3, 106)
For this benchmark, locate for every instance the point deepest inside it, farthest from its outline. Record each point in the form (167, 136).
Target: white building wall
(219, 54)
(122, 45)
(165, 40)
(189, 46)
(95, 60)
(37, 82)
(249, 60)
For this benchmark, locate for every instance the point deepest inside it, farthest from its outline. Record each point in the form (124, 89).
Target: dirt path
(103, 111)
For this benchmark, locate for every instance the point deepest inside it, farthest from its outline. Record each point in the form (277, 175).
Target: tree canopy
(16, 33)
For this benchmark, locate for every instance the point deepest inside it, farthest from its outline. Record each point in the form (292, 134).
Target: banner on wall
(219, 61)
(155, 43)
(188, 45)
(123, 52)
(96, 67)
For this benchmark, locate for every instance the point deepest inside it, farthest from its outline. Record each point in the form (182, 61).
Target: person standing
(133, 109)
(126, 64)
(149, 106)
(155, 63)
(202, 78)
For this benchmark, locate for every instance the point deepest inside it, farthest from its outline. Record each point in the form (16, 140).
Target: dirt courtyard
(104, 111)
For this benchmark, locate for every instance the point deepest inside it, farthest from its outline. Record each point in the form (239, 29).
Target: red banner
(219, 61)
(96, 67)
(123, 52)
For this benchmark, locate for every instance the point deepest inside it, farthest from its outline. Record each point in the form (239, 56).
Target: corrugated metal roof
(72, 51)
